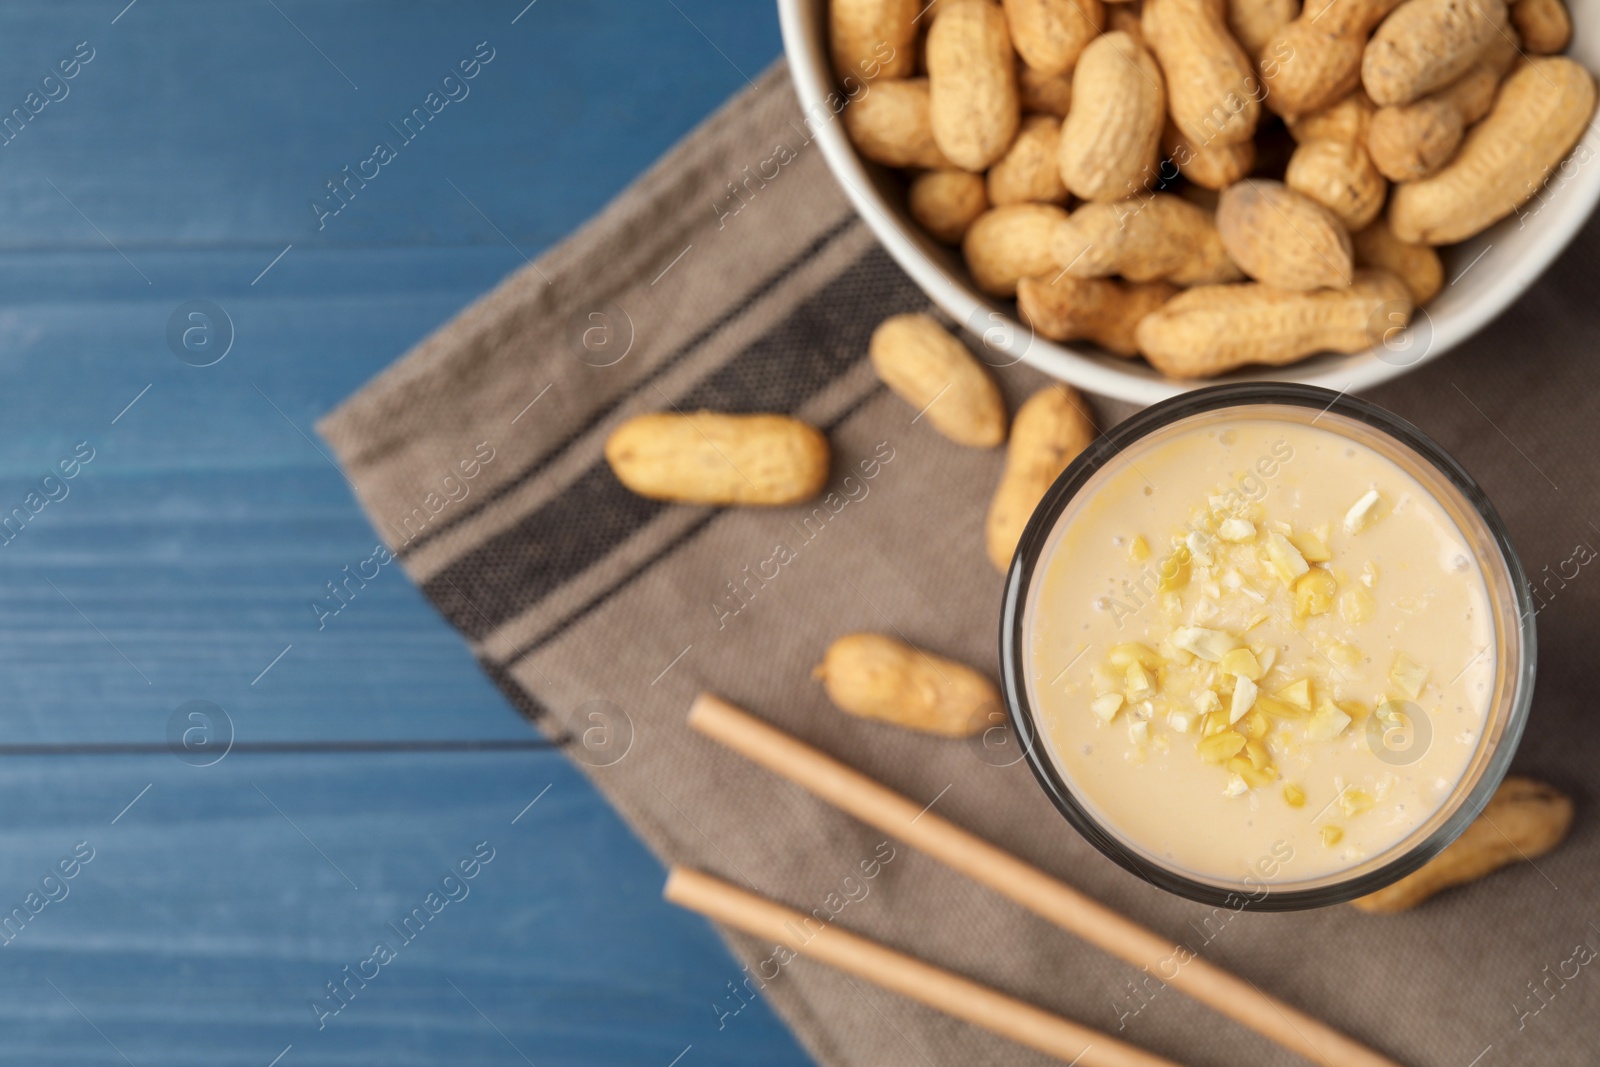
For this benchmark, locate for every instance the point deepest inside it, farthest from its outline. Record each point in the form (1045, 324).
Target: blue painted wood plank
(187, 553)
(199, 123)
(179, 164)
(216, 909)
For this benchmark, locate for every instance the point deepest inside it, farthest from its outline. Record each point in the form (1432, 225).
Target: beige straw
(906, 975)
(872, 803)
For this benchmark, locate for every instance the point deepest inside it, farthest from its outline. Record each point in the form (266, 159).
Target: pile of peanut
(1226, 163)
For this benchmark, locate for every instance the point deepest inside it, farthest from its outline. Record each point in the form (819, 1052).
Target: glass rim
(1036, 540)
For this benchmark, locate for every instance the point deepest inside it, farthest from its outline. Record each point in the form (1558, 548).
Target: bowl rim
(1030, 557)
(1011, 341)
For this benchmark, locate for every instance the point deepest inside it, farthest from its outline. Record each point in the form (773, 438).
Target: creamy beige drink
(1257, 639)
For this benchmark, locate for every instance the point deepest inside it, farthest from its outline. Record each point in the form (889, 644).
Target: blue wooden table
(161, 905)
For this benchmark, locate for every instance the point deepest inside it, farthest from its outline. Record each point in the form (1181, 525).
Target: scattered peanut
(1524, 820)
(1427, 44)
(890, 125)
(1050, 428)
(1316, 59)
(1212, 90)
(710, 458)
(972, 82)
(1205, 331)
(1007, 244)
(1049, 34)
(1544, 25)
(1331, 164)
(1283, 238)
(1411, 141)
(1416, 265)
(1541, 111)
(873, 35)
(1111, 137)
(1028, 172)
(1340, 176)
(945, 202)
(1160, 237)
(1346, 119)
(1101, 310)
(1211, 166)
(934, 373)
(877, 677)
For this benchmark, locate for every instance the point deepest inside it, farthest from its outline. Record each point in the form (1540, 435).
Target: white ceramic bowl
(1484, 275)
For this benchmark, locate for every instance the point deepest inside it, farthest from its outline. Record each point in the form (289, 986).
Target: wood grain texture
(186, 554)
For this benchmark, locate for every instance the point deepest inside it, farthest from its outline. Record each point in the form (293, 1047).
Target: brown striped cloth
(734, 276)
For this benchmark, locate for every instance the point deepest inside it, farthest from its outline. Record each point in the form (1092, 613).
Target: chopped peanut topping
(1286, 559)
(1174, 571)
(1219, 747)
(1360, 514)
(1126, 655)
(1138, 682)
(1408, 675)
(1356, 606)
(1328, 722)
(1241, 662)
(1355, 801)
(1237, 531)
(1251, 774)
(1207, 644)
(1296, 693)
(1234, 700)
(1313, 594)
(1279, 709)
(1199, 545)
(1106, 707)
(1313, 547)
(1345, 655)
(1244, 698)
